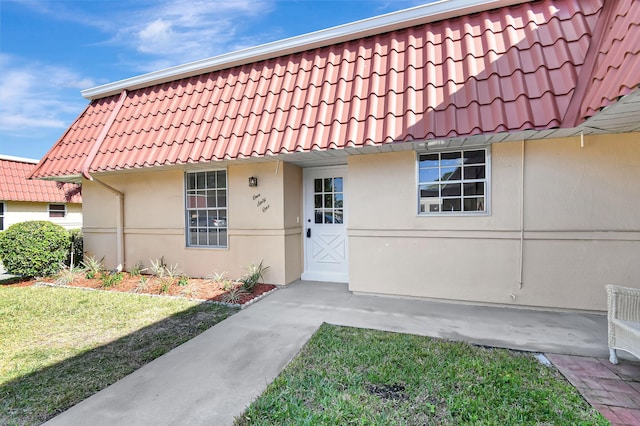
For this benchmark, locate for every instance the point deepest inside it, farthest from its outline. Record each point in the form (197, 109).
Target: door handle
(308, 232)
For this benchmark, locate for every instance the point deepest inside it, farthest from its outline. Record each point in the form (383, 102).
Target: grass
(355, 376)
(61, 345)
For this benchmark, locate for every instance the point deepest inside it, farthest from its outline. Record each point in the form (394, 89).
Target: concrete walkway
(213, 377)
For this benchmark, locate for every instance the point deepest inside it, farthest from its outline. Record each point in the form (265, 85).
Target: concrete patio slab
(213, 377)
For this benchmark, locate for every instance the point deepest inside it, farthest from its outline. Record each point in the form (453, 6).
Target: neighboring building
(486, 152)
(22, 199)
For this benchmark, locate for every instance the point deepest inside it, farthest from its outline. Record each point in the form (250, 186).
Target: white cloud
(177, 31)
(35, 95)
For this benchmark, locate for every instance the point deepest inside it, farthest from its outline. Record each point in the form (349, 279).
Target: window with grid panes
(206, 197)
(453, 182)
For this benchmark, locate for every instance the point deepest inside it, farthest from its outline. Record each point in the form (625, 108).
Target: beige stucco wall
(261, 221)
(581, 227)
(17, 211)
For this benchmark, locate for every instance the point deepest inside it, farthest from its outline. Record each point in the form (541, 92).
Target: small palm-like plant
(255, 273)
(92, 266)
(234, 295)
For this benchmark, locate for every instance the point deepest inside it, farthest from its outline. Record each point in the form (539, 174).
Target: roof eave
(443, 9)
(77, 178)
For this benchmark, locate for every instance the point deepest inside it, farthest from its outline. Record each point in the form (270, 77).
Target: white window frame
(64, 211)
(194, 213)
(486, 180)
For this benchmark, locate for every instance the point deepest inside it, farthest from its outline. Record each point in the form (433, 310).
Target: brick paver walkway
(614, 390)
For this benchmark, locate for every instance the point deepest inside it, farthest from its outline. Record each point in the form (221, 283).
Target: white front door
(325, 227)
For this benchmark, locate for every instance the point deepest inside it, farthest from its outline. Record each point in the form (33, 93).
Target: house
(22, 199)
(477, 151)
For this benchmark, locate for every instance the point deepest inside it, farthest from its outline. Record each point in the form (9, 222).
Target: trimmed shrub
(76, 253)
(34, 248)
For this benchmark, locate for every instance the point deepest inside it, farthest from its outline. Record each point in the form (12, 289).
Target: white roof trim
(18, 159)
(431, 12)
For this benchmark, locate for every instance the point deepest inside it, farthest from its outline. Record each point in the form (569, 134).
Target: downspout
(119, 195)
(521, 268)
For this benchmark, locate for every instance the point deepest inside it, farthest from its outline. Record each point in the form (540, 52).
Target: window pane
(451, 205)
(451, 158)
(429, 175)
(451, 190)
(337, 184)
(428, 160)
(474, 157)
(474, 204)
(221, 179)
(222, 238)
(212, 199)
(222, 198)
(450, 173)
(317, 201)
(202, 238)
(200, 181)
(328, 201)
(193, 236)
(474, 172)
(317, 185)
(191, 181)
(211, 180)
(429, 191)
(474, 188)
(318, 216)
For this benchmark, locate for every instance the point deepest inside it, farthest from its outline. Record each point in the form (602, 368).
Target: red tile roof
(615, 73)
(502, 70)
(14, 185)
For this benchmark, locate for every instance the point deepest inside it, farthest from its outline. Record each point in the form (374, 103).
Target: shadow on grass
(39, 396)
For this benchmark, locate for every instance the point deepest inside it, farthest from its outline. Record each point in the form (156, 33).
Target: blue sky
(52, 49)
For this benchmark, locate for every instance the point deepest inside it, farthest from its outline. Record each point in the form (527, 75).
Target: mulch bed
(196, 288)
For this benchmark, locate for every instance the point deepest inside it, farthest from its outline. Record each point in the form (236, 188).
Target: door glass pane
(317, 185)
(318, 216)
(338, 216)
(338, 201)
(328, 185)
(328, 201)
(337, 184)
(317, 201)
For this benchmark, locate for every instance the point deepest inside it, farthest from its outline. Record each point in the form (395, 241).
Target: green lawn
(59, 345)
(354, 376)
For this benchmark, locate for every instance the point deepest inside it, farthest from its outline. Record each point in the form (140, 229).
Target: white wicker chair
(623, 315)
